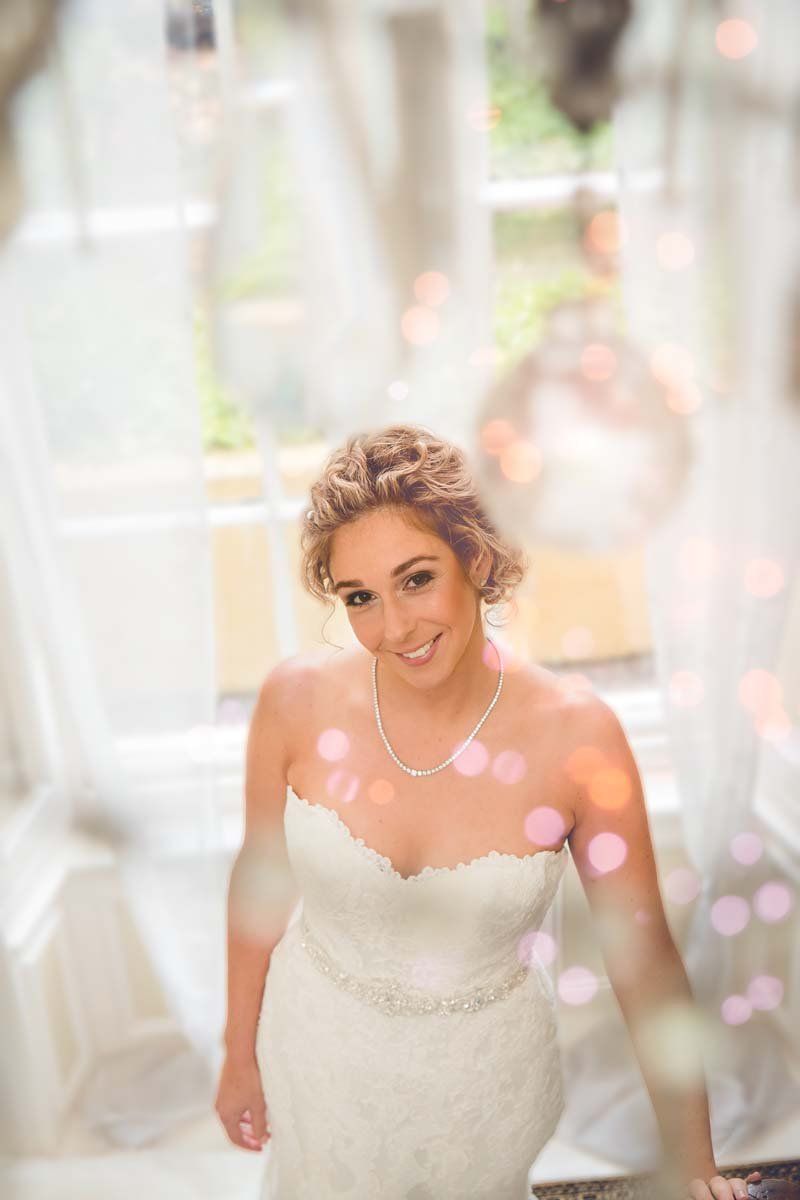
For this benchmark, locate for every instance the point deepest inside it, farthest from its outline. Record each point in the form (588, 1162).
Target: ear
(480, 568)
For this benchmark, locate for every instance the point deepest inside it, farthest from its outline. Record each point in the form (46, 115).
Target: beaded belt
(391, 997)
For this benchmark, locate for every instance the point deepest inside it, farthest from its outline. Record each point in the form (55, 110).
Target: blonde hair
(407, 468)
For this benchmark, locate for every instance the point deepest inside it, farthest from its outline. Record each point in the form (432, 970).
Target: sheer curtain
(108, 526)
(708, 203)
(106, 530)
(367, 107)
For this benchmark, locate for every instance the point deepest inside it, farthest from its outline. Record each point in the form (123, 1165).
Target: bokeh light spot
(765, 992)
(764, 577)
(474, 760)
(544, 826)
(736, 1009)
(607, 851)
(604, 232)
(520, 461)
(773, 726)
(333, 744)
(735, 38)
(496, 435)
(420, 325)
(489, 656)
(682, 885)
(673, 1038)
(577, 985)
(598, 362)
(342, 785)
(398, 390)
(684, 399)
(610, 787)
(760, 691)
(509, 766)
(746, 848)
(381, 791)
(773, 901)
(672, 364)
(582, 763)
(730, 915)
(512, 662)
(431, 288)
(539, 944)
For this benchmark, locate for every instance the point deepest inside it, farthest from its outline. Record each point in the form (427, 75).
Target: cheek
(448, 603)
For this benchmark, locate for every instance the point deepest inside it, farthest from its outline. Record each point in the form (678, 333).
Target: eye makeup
(425, 575)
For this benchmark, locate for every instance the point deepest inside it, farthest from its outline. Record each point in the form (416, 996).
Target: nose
(398, 624)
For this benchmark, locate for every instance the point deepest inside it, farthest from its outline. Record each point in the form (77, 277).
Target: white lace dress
(408, 1037)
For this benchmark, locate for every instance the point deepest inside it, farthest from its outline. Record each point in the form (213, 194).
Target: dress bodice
(443, 929)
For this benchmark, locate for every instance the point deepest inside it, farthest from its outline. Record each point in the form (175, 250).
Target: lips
(422, 657)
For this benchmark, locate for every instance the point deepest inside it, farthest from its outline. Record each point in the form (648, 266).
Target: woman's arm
(642, 962)
(262, 890)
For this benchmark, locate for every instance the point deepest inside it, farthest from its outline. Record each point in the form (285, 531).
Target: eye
(350, 601)
(425, 576)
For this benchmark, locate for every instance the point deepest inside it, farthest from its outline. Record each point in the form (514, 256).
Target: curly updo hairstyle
(405, 467)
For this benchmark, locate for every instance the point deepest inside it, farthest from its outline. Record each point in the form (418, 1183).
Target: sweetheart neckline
(426, 872)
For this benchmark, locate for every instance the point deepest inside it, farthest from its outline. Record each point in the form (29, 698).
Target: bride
(394, 1034)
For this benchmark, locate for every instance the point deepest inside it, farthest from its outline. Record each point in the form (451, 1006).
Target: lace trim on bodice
(386, 864)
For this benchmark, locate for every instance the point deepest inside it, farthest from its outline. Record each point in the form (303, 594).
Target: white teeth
(423, 650)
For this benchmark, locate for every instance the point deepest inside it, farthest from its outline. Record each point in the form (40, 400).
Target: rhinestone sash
(392, 998)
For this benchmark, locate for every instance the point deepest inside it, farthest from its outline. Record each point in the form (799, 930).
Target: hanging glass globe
(583, 446)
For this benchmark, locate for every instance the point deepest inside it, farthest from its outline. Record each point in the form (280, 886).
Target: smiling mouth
(419, 651)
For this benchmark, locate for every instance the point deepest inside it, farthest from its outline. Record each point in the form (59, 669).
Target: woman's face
(395, 604)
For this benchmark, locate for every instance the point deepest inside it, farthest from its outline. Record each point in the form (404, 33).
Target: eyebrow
(396, 570)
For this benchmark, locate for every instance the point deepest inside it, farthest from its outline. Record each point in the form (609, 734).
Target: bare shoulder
(343, 677)
(581, 710)
(289, 685)
(600, 762)
(592, 721)
(286, 677)
(301, 688)
(589, 725)
(270, 746)
(581, 730)
(544, 692)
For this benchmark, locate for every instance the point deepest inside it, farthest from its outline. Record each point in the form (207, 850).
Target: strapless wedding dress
(408, 1034)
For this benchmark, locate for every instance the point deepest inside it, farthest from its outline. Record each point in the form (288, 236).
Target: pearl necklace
(462, 748)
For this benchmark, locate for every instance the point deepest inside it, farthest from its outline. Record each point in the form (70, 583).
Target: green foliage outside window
(532, 137)
(538, 261)
(225, 425)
